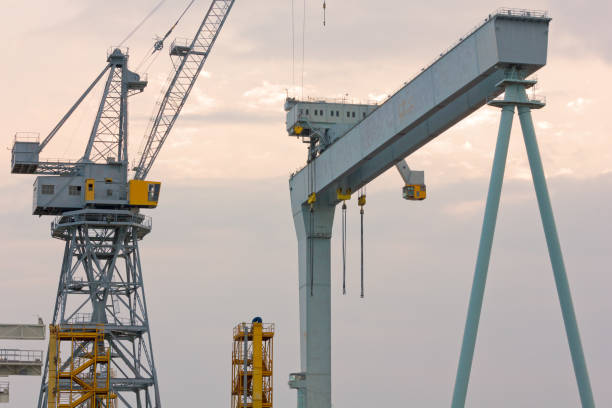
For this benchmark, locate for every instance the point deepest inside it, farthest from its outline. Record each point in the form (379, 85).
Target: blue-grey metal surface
(516, 97)
(484, 255)
(314, 234)
(454, 86)
(556, 257)
(101, 283)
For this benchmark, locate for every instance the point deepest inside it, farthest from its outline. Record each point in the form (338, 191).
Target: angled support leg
(515, 95)
(484, 255)
(556, 257)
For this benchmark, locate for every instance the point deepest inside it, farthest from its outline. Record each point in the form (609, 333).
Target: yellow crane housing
(252, 357)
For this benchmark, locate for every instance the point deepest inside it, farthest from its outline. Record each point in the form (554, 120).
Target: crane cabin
(322, 121)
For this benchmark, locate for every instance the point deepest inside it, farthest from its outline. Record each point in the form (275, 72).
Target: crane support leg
(313, 229)
(515, 96)
(556, 258)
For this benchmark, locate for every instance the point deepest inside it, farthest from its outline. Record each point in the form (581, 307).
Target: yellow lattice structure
(259, 339)
(79, 372)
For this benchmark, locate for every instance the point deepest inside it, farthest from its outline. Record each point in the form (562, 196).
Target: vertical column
(313, 231)
(484, 255)
(52, 363)
(556, 257)
(257, 365)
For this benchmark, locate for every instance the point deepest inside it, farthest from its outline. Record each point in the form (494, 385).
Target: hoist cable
(344, 247)
(146, 57)
(324, 7)
(292, 45)
(303, 44)
(361, 213)
(159, 44)
(151, 63)
(311, 248)
(142, 22)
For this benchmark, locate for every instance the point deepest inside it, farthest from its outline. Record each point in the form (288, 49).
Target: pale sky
(223, 246)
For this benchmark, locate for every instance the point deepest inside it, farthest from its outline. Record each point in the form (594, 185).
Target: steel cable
(344, 247)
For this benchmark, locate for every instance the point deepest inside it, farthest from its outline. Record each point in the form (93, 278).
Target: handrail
(20, 356)
(32, 137)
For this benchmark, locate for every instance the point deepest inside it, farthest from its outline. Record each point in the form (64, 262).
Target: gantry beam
(454, 86)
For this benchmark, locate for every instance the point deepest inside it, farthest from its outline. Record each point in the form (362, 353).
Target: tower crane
(101, 306)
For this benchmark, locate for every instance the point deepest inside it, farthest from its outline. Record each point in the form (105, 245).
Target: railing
(343, 100)
(516, 12)
(512, 12)
(124, 50)
(532, 99)
(32, 137)
(104, 218)
(4, 387)
(239, 329)
(85, 319)
(181, 42)
(20, 356)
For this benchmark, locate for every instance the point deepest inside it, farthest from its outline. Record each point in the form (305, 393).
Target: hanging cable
(361, 201)
(159, 44)
(142, 22)
(303, 44)
(324, 7)
(312, 198)
(292, 45)
(344, 247)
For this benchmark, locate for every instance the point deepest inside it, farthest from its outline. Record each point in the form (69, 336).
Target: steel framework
(101, 288)
(79, 373)
(188, 60)
(252, 365)
(466, 77)
(101, 284)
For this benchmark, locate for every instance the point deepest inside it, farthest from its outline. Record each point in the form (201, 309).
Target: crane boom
(188, 64)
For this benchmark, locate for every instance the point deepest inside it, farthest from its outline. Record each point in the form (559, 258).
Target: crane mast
(100, 305)
(188, 60)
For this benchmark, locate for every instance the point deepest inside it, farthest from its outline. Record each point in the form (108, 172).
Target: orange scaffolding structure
(79, 371)
(258, 338)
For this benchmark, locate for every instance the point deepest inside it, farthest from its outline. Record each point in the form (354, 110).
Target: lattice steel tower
(97, 207)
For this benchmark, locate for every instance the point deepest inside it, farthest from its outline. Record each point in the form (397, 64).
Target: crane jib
(192, 58)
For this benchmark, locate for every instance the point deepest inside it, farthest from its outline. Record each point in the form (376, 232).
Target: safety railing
(342, 100)
(531, 99)
(511, 12)
(516, 12)
(124, 50)
(103, 218)
(85, 319)
(20, 356)
(181, 42)
(4, 387)
(32, 137)
(239, 329)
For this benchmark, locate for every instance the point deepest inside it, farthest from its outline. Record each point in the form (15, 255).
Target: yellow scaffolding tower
(255, 362)
(79, 370)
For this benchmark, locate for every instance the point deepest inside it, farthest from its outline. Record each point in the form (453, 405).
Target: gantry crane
(350, 145)
(97, 208)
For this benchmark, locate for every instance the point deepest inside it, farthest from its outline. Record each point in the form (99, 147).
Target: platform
(20, 362)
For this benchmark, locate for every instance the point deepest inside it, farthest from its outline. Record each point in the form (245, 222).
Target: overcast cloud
(223, 246)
